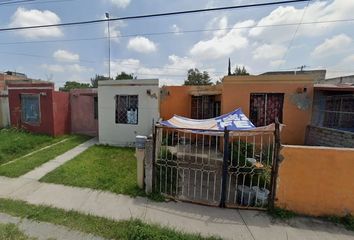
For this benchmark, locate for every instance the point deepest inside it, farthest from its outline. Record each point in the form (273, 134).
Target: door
(265, 108)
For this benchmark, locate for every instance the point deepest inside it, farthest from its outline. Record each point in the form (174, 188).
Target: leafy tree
(94, 81)
(240, 71)
(195, 77)
(73, 85)
(124, 76)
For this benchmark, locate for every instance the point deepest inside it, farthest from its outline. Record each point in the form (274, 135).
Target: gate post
(275, 166)
(224, 168)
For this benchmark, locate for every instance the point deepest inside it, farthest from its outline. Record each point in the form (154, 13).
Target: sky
(260, 38)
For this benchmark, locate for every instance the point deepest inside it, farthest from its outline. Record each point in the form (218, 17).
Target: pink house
(84, 111)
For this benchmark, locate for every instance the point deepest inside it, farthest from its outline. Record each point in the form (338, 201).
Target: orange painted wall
(316, 181)
(175, 100)
(237, 91)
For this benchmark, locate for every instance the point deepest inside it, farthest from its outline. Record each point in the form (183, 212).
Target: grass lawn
(11, 232)
(106, 228)
(100, 167)
(15, 143)
(28, 163)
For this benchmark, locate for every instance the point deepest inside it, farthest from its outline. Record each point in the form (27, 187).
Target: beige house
(127, 108)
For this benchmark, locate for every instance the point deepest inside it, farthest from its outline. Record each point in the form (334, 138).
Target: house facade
(127, 108)
(263, 98)
(38, 108)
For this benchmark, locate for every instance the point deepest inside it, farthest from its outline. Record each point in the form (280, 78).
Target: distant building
(338, 80)
(10, 76)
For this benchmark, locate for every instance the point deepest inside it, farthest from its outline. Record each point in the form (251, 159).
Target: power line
(183, 31)
(153, 15)
(8, 3)
(295, 33)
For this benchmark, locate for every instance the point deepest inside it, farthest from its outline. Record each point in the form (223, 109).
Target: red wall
(61, 110)
(51, 103)
(82, 112)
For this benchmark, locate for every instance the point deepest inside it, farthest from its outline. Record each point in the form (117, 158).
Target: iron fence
(227, 169)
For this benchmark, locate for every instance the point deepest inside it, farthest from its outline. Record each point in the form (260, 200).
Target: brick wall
(321, 136)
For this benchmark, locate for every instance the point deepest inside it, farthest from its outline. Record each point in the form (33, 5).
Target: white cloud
(141, 45)
(316, 11)
(172, 73)
(332, 45)
(53, 67)
(114, 28)
(176, 29)
(120, 3)
(342, 68)
(218, 23)
(67, 68)
(65, 56)
(276, 63)
(269, 51)
(24, 18)
(224, 44)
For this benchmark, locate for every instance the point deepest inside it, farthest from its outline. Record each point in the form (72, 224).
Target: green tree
(124, 76)
(195, 77)
(240, 71)
(73, 85)
(94, 81)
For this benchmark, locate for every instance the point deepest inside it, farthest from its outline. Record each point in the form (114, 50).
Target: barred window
(30, 108)
(127, 109)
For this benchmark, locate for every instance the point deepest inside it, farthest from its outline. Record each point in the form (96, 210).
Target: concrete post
(149, 146)
(140, 155)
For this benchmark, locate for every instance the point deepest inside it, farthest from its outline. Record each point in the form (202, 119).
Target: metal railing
(227, 169)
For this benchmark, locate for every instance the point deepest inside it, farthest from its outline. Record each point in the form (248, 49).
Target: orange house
(262, 98)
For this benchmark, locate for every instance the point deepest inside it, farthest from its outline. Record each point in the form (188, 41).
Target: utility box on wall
(127, 108)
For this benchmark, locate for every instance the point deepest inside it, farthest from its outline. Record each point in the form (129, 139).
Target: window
(127, 109)
(265, 108)
(30, 108)
(95, 107)
(204, 107)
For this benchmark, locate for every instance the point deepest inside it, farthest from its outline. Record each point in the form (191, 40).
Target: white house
(127, 108)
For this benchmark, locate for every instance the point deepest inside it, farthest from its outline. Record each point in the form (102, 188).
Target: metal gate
(226, 169)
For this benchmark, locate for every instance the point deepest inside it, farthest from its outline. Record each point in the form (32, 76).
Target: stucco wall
(4, 109)
(61, 112)
(237, 92)
(148, 110)
(46, 91)
(316, 181)
(82, 112)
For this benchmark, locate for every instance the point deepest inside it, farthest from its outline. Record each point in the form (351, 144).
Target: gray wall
(320, 136)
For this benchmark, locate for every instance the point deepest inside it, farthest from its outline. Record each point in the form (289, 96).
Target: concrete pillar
(148, 162)
(140, 155)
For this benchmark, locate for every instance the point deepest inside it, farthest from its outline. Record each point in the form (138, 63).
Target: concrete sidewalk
(47, 167)
(226, 223)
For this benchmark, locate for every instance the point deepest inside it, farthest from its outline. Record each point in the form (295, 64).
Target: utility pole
(109, 46)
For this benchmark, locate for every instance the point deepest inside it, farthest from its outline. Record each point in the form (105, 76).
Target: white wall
(148, 110)
(4, 110)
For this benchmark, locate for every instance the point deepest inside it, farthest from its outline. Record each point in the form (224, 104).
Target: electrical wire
(183, 31)
(153, 15)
